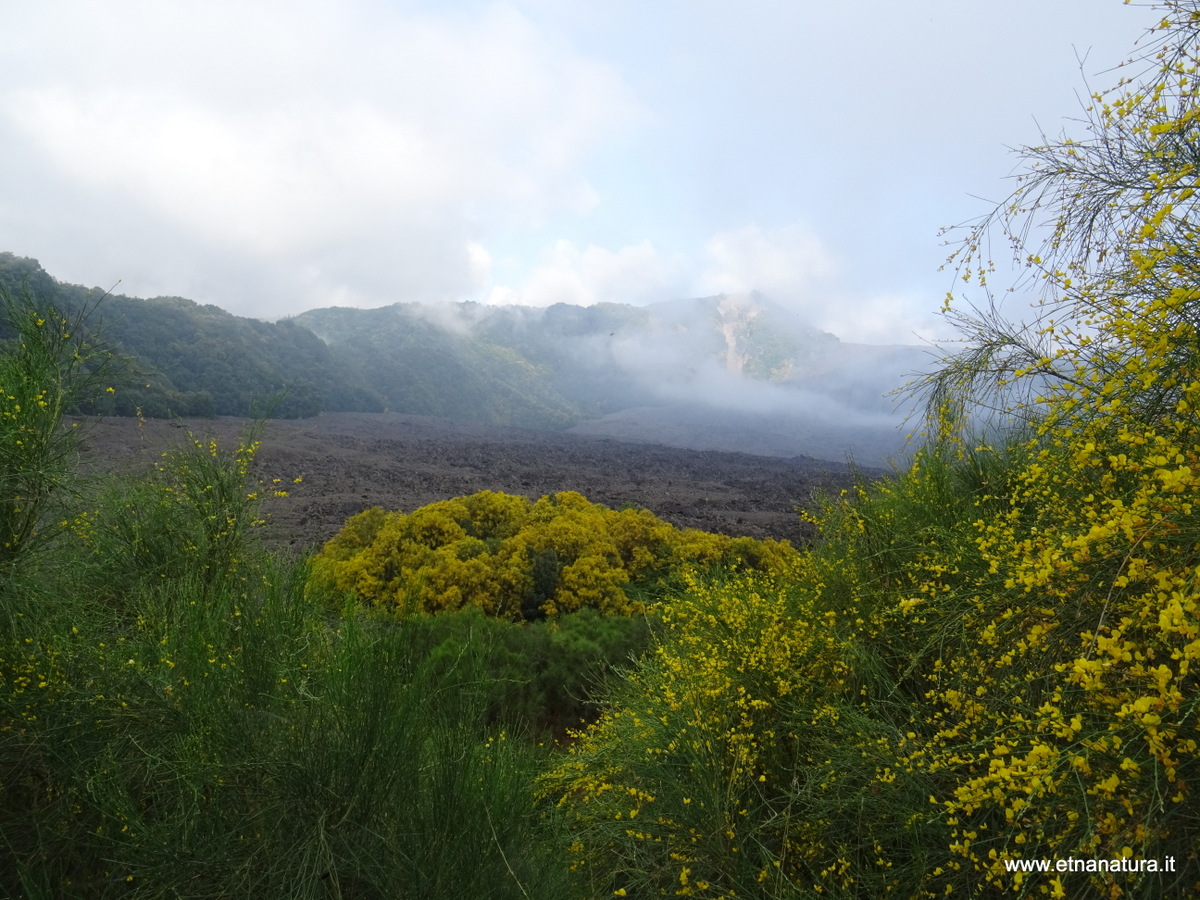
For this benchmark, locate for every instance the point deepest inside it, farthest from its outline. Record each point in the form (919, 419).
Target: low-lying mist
(853, 410)
(730, 372)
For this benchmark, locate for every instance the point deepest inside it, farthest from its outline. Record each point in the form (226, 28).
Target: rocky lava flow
(349, 462)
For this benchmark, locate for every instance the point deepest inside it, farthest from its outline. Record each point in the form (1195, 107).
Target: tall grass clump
(235, 741)
(543, 677)
(192, 514)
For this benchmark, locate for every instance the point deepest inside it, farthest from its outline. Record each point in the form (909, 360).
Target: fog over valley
(278, 157)
(731, 372)
(708, 225)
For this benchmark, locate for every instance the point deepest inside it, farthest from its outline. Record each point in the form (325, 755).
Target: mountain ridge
(728, 357)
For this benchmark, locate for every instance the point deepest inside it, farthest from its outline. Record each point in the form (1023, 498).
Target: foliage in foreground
(179, 716)
(959, 676)
(517, 559)
(50, 365)
(234, 742)
(990, 658)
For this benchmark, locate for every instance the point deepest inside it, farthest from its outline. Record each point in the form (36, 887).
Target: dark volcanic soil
(352, 461)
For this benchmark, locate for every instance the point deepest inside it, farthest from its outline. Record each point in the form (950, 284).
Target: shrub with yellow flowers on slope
(989, 662)
(1078, 696)
(519, 559)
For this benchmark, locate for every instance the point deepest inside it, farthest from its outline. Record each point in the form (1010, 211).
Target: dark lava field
(349, 462)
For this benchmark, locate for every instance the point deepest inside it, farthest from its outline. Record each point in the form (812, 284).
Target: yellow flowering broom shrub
(989, 664)
(1078, 698)
(1068, 722)
(977, 666)
(519, 559)
(49, 366)
(758, 750)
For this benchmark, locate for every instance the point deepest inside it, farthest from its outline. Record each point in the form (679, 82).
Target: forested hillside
(182, 358)
(719, 351)
(539, 368)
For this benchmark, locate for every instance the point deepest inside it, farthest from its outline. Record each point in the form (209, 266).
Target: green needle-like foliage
(48, 368)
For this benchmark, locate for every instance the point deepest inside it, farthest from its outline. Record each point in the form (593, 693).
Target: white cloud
(790, 265)
(283, 154)
(480, 262)
(367, 144)
(795, 267)
(885, 319)
(636, 274)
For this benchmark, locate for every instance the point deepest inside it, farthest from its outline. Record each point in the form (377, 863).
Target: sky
(275, 156)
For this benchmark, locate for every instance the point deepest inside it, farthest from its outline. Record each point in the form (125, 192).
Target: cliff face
(735, 317)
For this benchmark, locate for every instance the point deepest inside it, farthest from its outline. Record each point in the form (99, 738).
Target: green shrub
(179, 716)
(543, 677)
(518, 559)
(48, 368)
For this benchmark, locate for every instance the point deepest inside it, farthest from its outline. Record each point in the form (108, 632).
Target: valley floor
(353, 461)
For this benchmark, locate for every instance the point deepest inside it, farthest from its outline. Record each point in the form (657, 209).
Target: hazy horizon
(278, 157)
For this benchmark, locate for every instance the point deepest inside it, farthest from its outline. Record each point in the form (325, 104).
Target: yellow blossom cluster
(518, 559)
(992, 656)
